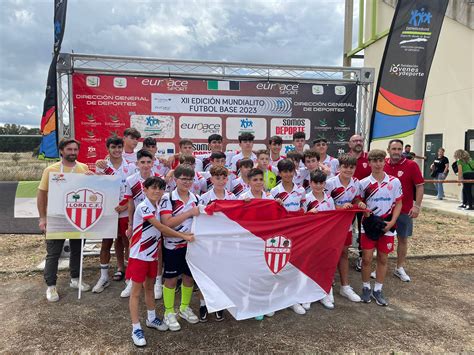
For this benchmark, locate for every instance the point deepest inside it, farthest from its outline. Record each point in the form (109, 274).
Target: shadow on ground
(431, 314)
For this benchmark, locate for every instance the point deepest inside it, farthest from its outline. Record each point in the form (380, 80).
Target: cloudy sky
(300, 32)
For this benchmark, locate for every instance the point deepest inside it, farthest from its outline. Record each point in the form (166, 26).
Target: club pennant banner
(49, 121)
(82, 206)
(252, 262)
(406, 64)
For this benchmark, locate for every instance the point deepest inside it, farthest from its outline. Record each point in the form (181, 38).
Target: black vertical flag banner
(49, 120)
(405, 67)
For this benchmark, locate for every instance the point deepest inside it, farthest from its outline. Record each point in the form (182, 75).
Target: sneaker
(298, 309)
(100, 286)
(75, 284)
(331, 296)
(461, 207)
(269, 315)
(401, 274)
(373, 275)
(219, 316)
(358, 264)
(171, 321)
(126, 291)
(52, 294)
(306, 306)
(203, 314)
(259, 318)
(157, 324)
(365, 297)
(348, 292)
(379, 298)
(138, 337)
(326, 302)
(158, 291)
(188, 315)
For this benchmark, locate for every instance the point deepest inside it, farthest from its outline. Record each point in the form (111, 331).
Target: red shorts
(383, 245)
(138, 270)
(348, 241)
(122, 226)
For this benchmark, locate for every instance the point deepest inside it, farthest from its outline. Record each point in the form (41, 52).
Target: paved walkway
(447, 205)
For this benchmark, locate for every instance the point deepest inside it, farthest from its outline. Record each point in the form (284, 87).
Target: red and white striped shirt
(146, 238)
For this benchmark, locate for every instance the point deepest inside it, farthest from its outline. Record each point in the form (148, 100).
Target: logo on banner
(92, 81)
(420, 17)
(317, 90)
(286, 127)
(417, 32)
(323, 122)
(284, 89)
(91, 152)
(120, 83)
(156, 126)
(199, 127)
(84, 208)
(340, 90)
(405, 70)
(277, 253)
(246, 123)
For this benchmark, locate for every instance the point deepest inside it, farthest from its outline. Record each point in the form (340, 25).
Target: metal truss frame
(69, 63)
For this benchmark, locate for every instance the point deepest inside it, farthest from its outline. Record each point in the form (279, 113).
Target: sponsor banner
(49, 142)
(82, 206)
(238, 125)
(204, 104)
(170, 109)
(286, 127)
(155, 126)
(406, 64)
(199, 127)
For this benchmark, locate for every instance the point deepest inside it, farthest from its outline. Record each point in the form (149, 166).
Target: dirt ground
(433, 313)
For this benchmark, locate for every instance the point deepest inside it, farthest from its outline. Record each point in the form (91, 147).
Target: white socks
(136, 326)
(366, 284)
(151, 315)
(104, 271)
(378, 286)
(202, 302)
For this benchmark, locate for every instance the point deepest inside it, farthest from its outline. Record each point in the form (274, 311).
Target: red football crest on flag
(277, 252)
(84, 208)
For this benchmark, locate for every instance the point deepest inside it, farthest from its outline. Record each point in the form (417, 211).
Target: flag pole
(80, 270)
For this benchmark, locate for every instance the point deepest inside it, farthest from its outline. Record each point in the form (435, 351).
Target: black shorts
(175, 263)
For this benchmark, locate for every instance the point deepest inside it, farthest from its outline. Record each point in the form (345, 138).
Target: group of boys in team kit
(160, 197)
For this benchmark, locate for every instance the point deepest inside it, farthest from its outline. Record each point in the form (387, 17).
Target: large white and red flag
(253, 258)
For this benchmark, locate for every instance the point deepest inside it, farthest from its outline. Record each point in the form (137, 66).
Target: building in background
(448, 111)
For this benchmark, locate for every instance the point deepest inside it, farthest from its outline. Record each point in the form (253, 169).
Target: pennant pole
(80, 270)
